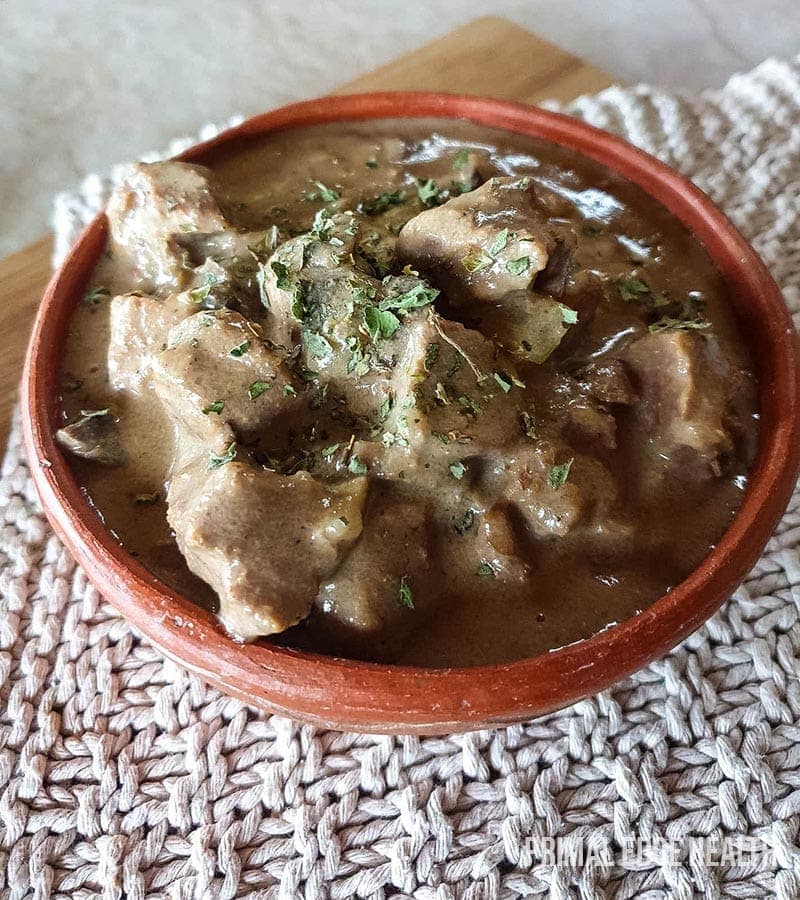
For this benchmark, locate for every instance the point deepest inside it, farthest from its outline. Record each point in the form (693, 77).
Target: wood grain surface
(489, 56)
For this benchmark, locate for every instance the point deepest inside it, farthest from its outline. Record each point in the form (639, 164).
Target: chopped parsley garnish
(441, 436)
(667, 323)
(357, 466)
(476, 261)
(461, 159)
(631, 288)
(283, 278)
(321, 225)
(386, 408)
(327, 452)
(468, 406)
(466, 522)
(558, 475)
(431, 355)
(415, 298)
(518, 266)
(239, 349)
(216, 406)
(289, 391)
(485, 570)
(457, 470)
(257, 388)
(503, 381)
(215, 460)
(317, 345)
(373, 206)
(568, 316)
(147, 499)
(381, 324)
(428, 191)
(299, 301)
(96, 295)
(326, 194)
(406, 596)
(499, 243)
(371, 164)
(526, 424)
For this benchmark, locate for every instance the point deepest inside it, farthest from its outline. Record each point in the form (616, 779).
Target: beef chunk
(553, 490)
(608, 381)
(526, 324)
(489, 241)
(139, 328)
(263, 541)
(375, 593)
(682, 381)
(152, 208)
(217, 371)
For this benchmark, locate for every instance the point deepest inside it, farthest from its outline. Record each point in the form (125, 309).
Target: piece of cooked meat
(554, 489)
(682, 380)
(139, 328)
(608, 381)
(489, 242)
(149, 212)
(263, 541)
(374, 593)
(216, 371)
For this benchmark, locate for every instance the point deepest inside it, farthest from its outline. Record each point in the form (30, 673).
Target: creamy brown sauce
(649, 490)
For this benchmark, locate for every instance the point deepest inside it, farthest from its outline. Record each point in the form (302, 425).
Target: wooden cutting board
(489, 56)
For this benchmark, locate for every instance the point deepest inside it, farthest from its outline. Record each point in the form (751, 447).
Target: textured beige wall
(86, 83)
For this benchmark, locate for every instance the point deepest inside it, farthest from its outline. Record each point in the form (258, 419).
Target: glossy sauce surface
(650, 506)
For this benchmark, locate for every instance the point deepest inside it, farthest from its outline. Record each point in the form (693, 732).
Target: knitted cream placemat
(121, 776)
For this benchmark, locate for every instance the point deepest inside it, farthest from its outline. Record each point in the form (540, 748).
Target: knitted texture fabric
(123, 777)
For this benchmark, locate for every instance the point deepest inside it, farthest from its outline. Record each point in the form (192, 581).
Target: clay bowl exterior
(345, 694)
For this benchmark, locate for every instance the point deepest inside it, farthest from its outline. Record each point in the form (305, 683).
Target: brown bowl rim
(348, 694)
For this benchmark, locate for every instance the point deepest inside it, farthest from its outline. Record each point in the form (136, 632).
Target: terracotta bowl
(363, 696)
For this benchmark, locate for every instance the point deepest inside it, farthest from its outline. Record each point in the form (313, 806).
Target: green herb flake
(431, 355)
(457, 470)
(97, 294)
(406, 596)
(257, 388)
(299, 301)
(216, 406)
(485, 570)
(468, 406)
(357, 466)
(526, 424)
(476, 261)
(215, 460)
(289, 391)
(420, 295)
(386, 408)
(373, 206)
(147, 499)
(667, 323)
(518, 266)
(381, 324)
(503, 381)
(568, 316)
(327, 452)
(283, 278)
(240, 349)
(371, 164)
(317, 345)
(558, 475)
(441, 436)
(466, 522)
(631, 288)
(499, 243)
(428, 191)
(461, 159)
(326, 194)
